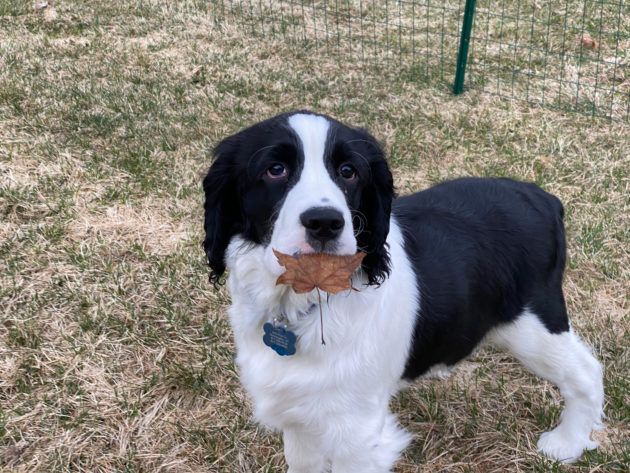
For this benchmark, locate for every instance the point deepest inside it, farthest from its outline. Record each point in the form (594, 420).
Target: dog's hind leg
(566, 361)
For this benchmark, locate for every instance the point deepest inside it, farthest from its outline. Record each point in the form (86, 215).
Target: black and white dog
(464, 262)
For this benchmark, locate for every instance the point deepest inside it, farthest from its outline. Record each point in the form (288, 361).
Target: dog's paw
(440, 371)
(562, 447)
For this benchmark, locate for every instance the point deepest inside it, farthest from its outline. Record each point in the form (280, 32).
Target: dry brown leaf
(330, 273)
(587, 41)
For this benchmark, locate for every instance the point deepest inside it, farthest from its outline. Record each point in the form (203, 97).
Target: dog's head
(300, 183)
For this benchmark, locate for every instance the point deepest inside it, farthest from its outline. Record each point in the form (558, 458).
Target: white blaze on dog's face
(299, 183)
(314, 216)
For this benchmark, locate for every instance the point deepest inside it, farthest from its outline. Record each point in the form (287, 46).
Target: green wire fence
(572, 55)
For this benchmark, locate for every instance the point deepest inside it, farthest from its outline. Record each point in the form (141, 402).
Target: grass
(115, 351)
(569, 56)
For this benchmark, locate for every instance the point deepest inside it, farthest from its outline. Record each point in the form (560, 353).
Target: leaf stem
(321, 315)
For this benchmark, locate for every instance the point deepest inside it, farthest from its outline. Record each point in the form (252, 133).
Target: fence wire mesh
(572, 55)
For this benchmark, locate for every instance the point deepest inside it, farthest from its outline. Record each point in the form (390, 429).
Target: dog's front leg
(368, 449)
(303, 452)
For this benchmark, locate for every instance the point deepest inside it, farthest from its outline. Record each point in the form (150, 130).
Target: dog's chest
(297, 388)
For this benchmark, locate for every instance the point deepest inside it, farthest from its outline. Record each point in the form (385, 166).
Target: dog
(467, 261)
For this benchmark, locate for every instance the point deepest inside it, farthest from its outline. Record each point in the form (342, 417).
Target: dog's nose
(322, 223)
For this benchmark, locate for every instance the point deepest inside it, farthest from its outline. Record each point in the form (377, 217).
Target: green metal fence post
(462, 56)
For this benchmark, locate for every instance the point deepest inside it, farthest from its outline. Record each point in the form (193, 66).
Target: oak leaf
(330, 273)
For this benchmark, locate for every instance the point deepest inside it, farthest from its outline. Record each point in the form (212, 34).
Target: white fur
(331, 401)
(567, 362)
(439, 371)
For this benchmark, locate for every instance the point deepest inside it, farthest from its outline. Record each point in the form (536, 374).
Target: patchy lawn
(115, 351)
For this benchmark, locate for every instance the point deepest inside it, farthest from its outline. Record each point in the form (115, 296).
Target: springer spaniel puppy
(465, 262)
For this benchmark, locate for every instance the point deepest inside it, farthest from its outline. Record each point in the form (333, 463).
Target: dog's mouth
(316, 247)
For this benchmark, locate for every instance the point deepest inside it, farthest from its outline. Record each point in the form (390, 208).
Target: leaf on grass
(587, 41)
(330, 273)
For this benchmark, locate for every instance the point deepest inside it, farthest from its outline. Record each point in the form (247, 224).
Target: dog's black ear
(223, 216)
(375, 210)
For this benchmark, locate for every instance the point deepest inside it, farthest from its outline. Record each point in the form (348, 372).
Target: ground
(115, 351)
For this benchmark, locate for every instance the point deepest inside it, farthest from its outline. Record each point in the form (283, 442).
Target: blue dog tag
(281, 340)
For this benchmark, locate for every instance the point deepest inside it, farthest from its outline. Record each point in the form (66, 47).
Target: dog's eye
(277, 171)
(347, 171)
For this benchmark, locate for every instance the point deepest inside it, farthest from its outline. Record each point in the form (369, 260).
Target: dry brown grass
(115, 352)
